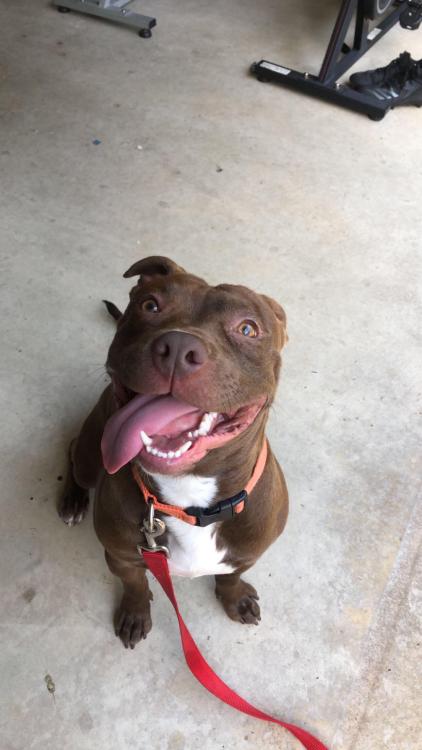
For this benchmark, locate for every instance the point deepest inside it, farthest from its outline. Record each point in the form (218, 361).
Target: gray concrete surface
(239, 182)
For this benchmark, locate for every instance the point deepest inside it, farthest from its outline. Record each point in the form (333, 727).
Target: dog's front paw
(132, 627)
(240, 603)
(73, 506)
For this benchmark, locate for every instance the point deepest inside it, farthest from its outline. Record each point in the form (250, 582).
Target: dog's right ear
(280, 317)
(155, 265)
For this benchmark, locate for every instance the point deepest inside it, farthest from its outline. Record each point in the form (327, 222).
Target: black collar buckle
(222, 511)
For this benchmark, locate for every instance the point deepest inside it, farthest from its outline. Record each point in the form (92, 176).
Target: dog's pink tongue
(121, 438)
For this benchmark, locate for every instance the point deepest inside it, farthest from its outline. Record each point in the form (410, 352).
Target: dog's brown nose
(177, 353)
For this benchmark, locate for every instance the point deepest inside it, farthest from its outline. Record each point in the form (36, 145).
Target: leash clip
(152, 528)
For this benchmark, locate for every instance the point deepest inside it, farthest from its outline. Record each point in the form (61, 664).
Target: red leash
(157, 564)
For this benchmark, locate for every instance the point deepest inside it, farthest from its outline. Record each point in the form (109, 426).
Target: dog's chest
(193, 550)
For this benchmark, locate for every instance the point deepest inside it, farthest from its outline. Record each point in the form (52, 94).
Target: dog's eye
(248, 328)
(150, 305)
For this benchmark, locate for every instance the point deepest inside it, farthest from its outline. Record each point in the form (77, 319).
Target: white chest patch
(193, 550)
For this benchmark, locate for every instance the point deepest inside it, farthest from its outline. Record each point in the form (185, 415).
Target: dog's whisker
(96, 367)
(97, 374)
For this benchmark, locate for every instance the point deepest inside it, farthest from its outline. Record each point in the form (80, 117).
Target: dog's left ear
(155, 265)
(280, 316)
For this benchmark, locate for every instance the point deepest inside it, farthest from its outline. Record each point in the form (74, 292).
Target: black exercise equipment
(112, 10)
(411, 17)
(355, 16)
(375, 8)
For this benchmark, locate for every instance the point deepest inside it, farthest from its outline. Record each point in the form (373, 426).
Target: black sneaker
(380, 76)
(399, 87)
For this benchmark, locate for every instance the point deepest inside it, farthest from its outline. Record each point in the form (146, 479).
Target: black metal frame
(339, 57)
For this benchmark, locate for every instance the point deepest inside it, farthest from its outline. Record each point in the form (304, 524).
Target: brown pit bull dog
(194, 370)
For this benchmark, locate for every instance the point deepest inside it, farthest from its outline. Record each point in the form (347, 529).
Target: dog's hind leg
(73, 504)
(85, 463)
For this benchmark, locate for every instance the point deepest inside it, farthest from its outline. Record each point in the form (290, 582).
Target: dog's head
(193, 366)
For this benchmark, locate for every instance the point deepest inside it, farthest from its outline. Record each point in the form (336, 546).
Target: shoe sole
(414, 100)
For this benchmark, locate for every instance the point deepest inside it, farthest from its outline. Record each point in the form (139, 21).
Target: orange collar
(222, 511)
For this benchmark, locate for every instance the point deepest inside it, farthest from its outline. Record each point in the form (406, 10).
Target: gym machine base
(112, 10)
(339, 57)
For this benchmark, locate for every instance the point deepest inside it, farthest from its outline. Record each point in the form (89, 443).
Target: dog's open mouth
(167, 434)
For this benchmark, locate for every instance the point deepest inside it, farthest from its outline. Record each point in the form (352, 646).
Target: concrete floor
(237, 181)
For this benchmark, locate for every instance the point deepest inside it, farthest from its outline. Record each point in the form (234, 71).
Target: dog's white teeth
(204, 426)
(170, 454)
(182, 450)
(206, 423)
(145, 438)
(201, 431)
